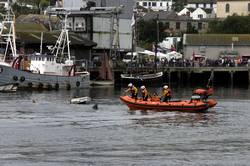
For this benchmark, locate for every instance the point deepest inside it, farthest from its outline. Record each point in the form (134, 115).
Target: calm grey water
(52, 132)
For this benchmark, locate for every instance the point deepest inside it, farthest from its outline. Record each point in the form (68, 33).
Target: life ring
(22, 78)
(15, 78)
(56, 86)
(78, 83)
(40, 85)
(68, 87)
(30, 84)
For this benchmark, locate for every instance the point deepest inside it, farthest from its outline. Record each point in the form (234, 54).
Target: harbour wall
(192, 75)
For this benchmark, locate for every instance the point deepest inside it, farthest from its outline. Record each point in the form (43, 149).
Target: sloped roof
(216, 39)
(165, 15)
(27, 27)
(51, 38)
(37, 18)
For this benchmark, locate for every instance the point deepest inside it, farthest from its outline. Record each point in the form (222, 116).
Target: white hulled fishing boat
(55, 70)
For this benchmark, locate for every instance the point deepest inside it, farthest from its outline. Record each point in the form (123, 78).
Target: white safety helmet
(130, 85)
(165, 87)
(142, 87)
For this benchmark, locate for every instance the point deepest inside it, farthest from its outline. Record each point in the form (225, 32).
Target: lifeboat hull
(182, 105)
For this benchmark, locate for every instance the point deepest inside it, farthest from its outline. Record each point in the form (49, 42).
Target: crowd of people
(200, 62)
(145, 95)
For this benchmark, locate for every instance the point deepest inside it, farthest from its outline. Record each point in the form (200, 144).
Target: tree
(231, 25)
(178, 5)
(147, 32)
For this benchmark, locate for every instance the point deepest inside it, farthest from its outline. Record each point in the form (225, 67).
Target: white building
(198, 14)
(185, 12)
(156, 5)
(203, 4)
(4, 3)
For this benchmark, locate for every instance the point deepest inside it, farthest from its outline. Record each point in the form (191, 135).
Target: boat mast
(134, 37)
(62, 41)
(9, 36)
(157, 41)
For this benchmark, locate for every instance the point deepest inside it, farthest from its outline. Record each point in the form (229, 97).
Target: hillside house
(229, 7)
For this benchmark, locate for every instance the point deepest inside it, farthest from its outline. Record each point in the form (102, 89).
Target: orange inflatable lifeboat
(193, 105)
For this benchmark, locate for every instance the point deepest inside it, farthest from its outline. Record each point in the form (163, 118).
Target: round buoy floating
(30, 84)
(68, 87)
(78, 83)
(15, 78)
(40, 86)
(56, 86)
(22, 78)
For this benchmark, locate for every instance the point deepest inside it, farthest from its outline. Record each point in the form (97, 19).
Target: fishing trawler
(55, 70)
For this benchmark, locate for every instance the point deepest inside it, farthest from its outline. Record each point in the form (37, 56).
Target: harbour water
(43, 129)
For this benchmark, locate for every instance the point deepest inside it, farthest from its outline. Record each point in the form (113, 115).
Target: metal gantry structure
(113, 13)
(8, 33)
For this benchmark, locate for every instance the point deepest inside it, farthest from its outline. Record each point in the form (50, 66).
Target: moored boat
(193, 105)
(143, 79)
(55, 70)
(8, 88)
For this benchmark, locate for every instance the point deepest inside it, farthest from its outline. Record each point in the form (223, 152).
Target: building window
(167, 26)
(178, 25)
(249, 7)
(144, 4)
(149, 3)
(200, 16)
(197, 5)
(204, 5)
(153, 3)
(161, 4)
(189, 25)
(199, 25)
(211, 5)
(227, 8)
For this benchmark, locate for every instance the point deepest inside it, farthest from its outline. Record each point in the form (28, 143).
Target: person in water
(166, 94)
(133, 90)
(144, 93)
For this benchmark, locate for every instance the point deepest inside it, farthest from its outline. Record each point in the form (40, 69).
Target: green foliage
(20, 6)
(178, 5)
(231, 25)
(148, 32)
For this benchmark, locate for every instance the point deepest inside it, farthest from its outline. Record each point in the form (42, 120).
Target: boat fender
(30, 84)
(56, 86)
(68, 87)
(22, 78)
(77, 83)
(40, 85)
(15, 78)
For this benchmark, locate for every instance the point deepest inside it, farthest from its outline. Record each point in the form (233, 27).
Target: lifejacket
(166, 93)
(134, 90)
(144, 93)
